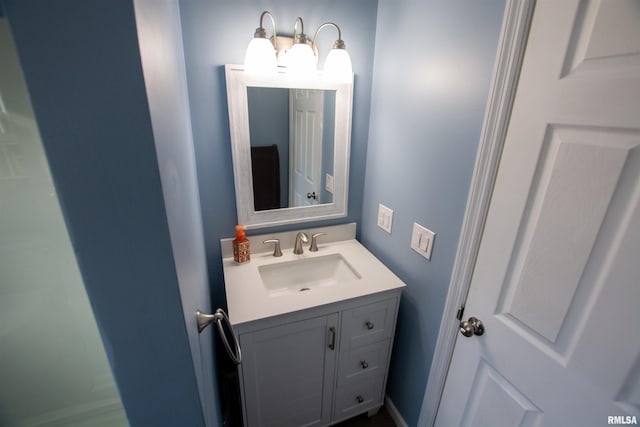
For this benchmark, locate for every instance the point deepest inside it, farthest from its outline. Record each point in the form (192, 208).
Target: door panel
(606, 35)
(556, 277)
(491, 390)
(307, 110)
(570, 196)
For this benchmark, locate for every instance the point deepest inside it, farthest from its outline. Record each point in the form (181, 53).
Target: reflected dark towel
(265, 167)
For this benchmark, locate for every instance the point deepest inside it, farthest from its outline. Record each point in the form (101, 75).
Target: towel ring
(205, 320)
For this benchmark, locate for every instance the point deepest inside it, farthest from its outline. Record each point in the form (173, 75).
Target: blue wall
(218, 32)
(432, 73)
(82, 66)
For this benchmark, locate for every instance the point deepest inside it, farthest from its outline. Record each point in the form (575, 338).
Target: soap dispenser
(241, 250)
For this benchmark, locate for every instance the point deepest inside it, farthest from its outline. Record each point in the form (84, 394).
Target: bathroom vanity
(315, 347)
(315, 328)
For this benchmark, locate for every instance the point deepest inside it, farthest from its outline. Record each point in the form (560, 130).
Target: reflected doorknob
(313, 196)
(471, 327)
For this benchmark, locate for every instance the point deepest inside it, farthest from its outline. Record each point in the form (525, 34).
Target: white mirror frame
(237, 83)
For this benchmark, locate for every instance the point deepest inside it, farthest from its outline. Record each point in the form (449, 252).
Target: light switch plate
(422, 240)
(385, 218)
(328, 183)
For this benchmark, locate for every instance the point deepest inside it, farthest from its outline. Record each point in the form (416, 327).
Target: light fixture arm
(260, 31)
(295, 26)
(338, 44)
(299, 37)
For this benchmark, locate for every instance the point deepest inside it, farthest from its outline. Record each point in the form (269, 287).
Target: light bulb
(260, 57)
(337, 66)
(301, 61)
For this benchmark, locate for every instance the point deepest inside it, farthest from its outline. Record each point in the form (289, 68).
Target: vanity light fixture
(301, 57)
(260, 57)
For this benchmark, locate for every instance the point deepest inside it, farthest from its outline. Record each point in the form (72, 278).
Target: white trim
(511, 46)
(237, 83)
(393, 412)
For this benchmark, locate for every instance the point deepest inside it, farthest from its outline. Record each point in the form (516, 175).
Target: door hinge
(460, 312)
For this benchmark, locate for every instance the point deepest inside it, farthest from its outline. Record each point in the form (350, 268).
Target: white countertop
(248, 300)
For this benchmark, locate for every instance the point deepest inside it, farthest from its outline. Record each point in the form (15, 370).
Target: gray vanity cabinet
(317, 366)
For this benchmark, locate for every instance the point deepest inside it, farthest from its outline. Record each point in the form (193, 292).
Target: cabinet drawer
(358, 397)
(368, 324)
(365, 361)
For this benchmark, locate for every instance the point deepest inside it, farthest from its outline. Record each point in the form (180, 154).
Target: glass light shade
(301, 61)
(260, 57)
(337, 66)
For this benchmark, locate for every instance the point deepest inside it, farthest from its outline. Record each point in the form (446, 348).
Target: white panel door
(557, 279)
(305, 146)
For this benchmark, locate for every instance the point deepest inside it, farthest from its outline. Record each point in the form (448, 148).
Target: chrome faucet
(300, 238)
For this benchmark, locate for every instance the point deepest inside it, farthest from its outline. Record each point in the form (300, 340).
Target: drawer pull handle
(332, 339)
(369, 325)
(364, 364)
(359, 398)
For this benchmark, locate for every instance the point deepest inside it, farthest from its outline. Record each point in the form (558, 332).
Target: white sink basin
(267, 286)
(306, 274)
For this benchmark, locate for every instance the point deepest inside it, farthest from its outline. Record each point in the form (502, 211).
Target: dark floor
(381, 419)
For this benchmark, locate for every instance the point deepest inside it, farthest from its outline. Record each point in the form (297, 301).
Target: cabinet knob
(364, 364)
(359, 398)
(369, 325)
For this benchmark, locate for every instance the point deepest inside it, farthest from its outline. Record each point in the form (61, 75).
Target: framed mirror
(290, 141)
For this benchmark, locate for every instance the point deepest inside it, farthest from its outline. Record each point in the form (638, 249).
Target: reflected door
(556, 279)
(305, 157)
(53, 366)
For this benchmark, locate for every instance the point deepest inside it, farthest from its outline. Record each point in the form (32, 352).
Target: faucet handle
(314, 243)
(276, 248)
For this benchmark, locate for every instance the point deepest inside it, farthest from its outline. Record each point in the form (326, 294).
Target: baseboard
(393, 412)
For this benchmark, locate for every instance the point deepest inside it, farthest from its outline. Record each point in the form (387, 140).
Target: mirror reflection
(305, 177)
(291, 134)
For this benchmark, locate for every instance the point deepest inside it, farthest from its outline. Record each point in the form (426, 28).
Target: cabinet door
(288, 373)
